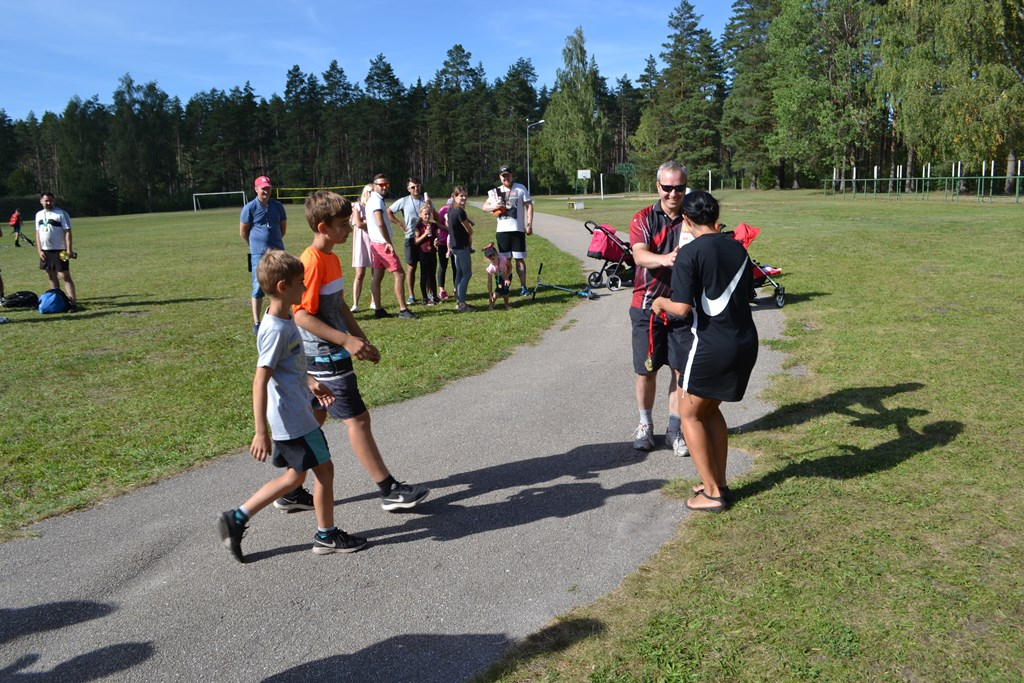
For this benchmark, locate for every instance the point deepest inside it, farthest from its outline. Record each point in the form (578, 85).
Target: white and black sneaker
(337, 541)
(403, 496)
(299, 499)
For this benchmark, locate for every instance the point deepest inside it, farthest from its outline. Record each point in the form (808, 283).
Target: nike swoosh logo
(715, 306)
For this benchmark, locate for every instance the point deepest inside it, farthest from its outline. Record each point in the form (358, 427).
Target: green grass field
(879, 536)
(154, 374)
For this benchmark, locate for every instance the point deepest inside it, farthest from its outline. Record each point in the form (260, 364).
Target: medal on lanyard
(649, 363)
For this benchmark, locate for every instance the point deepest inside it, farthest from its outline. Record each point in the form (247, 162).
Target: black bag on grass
(24, 299)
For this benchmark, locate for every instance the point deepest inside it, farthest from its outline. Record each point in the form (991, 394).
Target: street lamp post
(528, 127)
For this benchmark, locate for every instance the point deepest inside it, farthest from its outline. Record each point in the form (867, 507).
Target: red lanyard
(649, 363)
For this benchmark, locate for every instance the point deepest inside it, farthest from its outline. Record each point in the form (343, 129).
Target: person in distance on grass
(512, 204)
(444, 258)
(262, 225)
(498, 268)
(655, 235)
(460, 237)
(281, 395)
(331, 338)
(15, 223)
(410, 206)
(712, 278)
(361, 256)
(426, 242)
(53, 236)
(383, 251)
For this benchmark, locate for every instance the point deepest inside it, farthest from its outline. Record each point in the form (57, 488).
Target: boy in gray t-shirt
(282, 396)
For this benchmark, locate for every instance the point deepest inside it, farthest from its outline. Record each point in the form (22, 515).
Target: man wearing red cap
(262, 225)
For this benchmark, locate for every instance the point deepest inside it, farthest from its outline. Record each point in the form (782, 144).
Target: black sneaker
(231, 533)
(337, 542)
(403, 496)
(381, 313)
(299, 499)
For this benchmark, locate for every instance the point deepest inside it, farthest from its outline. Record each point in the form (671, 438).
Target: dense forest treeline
(792, 89)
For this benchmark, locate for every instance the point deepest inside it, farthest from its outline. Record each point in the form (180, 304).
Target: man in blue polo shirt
(262, 225)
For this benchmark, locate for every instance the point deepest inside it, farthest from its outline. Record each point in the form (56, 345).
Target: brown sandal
(718, 508)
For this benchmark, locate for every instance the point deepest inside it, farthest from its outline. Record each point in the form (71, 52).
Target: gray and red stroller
(605, 245)
(745, 234)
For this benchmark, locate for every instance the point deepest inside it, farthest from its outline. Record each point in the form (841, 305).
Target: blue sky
(56, 49)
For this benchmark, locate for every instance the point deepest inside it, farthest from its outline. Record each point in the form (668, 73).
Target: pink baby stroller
(745, 234)
(606, 246)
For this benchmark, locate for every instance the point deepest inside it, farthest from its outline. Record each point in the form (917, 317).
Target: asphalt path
(539, 504)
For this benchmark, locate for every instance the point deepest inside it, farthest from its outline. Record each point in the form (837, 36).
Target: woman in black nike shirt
(712, 277)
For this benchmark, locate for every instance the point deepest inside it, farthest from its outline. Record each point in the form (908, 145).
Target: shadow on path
(16, 623)
(427, 658)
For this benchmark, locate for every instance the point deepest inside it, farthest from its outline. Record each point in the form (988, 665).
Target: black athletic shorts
(51, 261)
(662, 336)
(412, 252)
(511, 244)
(301, 454)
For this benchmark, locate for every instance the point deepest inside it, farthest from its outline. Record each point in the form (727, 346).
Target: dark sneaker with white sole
(299, 499)
(231, 533)
(337, 541)
(403, 496)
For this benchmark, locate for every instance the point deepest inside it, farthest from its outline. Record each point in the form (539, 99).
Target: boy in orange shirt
(331, 338)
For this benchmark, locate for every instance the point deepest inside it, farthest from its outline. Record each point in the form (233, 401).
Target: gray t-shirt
(410, 208)
(289, 409)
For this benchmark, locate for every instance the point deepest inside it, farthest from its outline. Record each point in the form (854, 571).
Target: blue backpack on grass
(54, 301)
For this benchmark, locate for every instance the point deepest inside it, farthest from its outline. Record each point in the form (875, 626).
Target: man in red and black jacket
(654, 235)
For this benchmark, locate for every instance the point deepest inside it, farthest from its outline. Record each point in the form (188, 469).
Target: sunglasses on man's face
(667, 189)
(382, 184)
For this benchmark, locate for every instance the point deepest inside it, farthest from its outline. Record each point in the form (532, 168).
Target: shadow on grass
(434, 658)
(766, 297)
(101, 663)
(842, 402)
(854, 461)
(103, 307)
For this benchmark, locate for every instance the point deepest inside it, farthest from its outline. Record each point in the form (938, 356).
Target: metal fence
(949, 188)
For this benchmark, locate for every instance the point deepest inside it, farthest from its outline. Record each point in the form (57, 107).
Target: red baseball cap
(263, 181)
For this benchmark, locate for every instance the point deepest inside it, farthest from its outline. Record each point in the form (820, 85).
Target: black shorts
(511, 244)
(662, 336)
(301, 454)
(348, 402)
(51, 261)
(412, 252)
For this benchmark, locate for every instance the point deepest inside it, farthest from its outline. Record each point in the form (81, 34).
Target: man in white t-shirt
(382, 250)
(512, 204)
(53, 237)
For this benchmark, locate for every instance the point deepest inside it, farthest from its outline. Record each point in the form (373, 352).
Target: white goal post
(196, 205)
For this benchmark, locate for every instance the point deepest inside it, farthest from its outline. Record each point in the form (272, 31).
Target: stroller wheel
(780, 297)
(614, 283)
(595, 279)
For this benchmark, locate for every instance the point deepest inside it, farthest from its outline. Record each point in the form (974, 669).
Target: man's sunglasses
(680, 189)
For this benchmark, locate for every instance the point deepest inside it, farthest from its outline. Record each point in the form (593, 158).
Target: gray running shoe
(337, 541)
(643, 438)
(403, 496)
(675, 439)
(407, 314)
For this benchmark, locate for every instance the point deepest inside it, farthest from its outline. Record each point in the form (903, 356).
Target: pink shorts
(384, 257)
